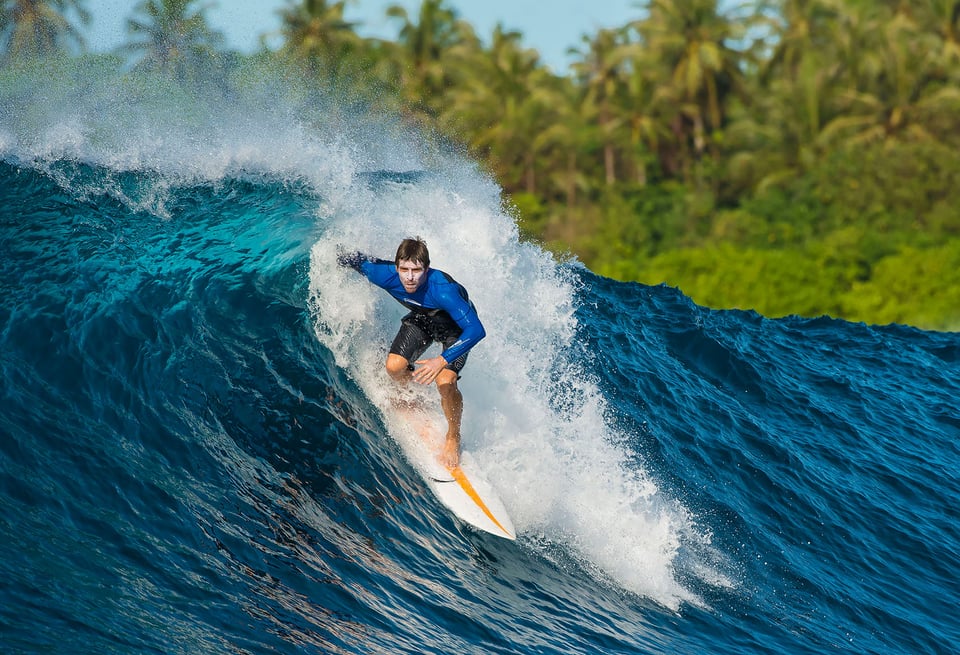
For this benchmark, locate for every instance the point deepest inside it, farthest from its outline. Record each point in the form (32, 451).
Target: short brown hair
(413, 249)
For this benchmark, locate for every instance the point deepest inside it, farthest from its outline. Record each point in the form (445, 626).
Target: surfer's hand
(429, 369)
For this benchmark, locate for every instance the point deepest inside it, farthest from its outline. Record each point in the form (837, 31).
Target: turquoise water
(193, 456)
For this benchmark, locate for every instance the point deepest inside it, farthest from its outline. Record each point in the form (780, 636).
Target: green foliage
(531, 214)
(915, 286)
(801, 159)
(40, 28)
(850, 239)
(772, 282)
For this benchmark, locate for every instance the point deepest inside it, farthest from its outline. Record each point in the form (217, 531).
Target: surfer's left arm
(462, 311)
(473, 332)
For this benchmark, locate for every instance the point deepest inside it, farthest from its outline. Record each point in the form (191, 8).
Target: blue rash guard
(438, 296)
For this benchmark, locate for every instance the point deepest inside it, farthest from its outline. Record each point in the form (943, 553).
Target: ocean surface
(195, 458)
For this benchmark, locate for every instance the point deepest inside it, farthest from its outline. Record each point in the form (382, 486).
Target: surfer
(441, 312)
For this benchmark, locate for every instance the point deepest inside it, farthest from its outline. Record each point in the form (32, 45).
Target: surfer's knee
(397, 367)
(447, 383)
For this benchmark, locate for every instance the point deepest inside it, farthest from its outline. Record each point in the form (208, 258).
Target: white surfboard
(464, 490)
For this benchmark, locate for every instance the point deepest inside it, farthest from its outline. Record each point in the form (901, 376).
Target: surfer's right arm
(371, 267)
(354, 260)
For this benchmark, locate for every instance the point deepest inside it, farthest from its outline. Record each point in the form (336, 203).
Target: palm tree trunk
(609, 164)
(530, 174)
(640, 174)
(608, 152)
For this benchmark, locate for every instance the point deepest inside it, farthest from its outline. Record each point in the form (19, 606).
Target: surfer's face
(411, 274)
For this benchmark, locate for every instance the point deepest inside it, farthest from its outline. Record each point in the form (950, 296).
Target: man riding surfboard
(441, 312)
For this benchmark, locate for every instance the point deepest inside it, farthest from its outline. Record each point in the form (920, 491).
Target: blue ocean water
(194, 458)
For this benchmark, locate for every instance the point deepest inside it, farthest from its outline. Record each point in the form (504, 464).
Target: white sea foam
(135, 122)
(533, 417)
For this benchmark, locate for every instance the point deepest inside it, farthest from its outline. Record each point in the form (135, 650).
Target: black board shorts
(418, 331)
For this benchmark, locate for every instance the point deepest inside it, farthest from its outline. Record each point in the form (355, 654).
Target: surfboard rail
(464, 490)
(502, 522)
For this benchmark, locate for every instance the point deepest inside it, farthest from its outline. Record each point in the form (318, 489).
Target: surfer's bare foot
(450, 453)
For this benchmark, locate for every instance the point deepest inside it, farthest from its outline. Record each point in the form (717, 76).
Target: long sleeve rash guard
(438, 293)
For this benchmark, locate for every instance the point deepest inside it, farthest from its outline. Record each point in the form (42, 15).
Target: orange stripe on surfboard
(464, 483)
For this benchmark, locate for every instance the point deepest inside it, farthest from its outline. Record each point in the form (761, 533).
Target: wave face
(194, 455)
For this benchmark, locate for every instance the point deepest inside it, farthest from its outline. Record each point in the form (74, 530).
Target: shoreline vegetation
(793, 158)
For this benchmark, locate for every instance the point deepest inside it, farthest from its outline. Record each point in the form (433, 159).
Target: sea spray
(533, 417)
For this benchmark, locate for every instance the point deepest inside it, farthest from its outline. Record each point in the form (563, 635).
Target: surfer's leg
(398, 368)
(411, 342)
(452, 402)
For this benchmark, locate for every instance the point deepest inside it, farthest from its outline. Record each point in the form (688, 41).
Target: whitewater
(197, 455)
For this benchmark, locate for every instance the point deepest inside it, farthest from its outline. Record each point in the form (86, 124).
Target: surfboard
(464, 490)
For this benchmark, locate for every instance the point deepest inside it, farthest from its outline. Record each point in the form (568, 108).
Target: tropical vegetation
(787, 156)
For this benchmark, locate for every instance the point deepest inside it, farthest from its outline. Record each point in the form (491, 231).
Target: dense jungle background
(790, 156)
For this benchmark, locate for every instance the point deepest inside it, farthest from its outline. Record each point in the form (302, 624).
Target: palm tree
(800, 28)
(317, 35)
(498, 101)
(641, 103)
(941, 20)
(692, 40)
(566, 138)
(775, 136)
(600, 72)
(37, 28)
(172, 36)
(895, 90)
(423, 45)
